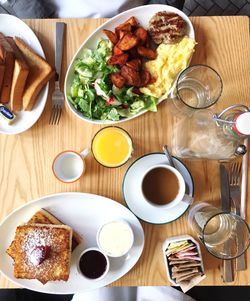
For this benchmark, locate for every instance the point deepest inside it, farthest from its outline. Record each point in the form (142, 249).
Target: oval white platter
(143, 14)
(85, 213)
(12, 26)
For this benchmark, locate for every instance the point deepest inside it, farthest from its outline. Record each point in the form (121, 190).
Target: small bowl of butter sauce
(115, 238)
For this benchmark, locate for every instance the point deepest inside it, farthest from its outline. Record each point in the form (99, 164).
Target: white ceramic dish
(107, 264)
(12, 26)
(132, 191)
(115, 238)
(85, 213)
(176, 239)
(143, 15)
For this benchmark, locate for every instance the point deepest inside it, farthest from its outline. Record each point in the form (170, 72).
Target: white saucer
(133, 196)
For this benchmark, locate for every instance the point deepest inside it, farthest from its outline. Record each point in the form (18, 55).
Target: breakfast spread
(184, 262)
(130, 70)
(42, 248)
(125, 75)
(23, 73)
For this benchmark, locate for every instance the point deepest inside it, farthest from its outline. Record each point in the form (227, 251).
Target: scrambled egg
(171, 59)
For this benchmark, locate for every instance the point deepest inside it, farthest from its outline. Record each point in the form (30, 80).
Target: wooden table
(25, 159)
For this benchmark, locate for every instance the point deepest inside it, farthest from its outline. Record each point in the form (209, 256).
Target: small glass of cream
(115, 238)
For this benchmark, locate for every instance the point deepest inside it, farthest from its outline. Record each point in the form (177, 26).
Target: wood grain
(25, 159)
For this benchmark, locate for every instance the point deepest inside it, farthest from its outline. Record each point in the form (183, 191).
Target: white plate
(143, 14)
(132, 191)
(12, 26)
(85, 213)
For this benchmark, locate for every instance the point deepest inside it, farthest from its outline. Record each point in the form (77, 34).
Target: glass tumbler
(199, 86)
(225, 235)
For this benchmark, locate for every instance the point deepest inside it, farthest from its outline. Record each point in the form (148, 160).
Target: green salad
(93, 94)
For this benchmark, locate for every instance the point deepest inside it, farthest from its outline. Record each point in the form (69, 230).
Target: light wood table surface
(25, 159)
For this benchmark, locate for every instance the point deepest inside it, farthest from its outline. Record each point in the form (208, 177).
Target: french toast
(6, 55)
(40, 72)
(44, 217)
(42, 252)
(20, 73)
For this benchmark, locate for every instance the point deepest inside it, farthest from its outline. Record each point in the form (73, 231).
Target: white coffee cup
(68, 166)
(181, 195)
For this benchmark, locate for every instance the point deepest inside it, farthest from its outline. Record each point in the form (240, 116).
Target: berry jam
(39, 254)
(93, 264)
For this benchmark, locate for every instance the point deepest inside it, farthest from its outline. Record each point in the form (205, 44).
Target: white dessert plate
(12, 26)
(131, 189)
(85, 213)
(143, 14)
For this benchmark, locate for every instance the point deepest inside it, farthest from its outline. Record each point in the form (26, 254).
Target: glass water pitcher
(205, 135)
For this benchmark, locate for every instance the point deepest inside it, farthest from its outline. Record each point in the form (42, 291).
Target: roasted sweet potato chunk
(145, 78)
(118, 80)
(131, 43)
(111, 35)
(132, 76)
(141, 34)
(117, 50)
(134, 64)
(122, 33)
(118, 59)
(124, 27)
(146, 52)
(127, 42)
(133, 54)
(132, 21)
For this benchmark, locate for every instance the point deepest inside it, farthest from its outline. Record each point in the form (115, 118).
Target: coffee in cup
(163, 186)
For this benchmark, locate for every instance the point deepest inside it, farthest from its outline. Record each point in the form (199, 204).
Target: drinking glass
(112, 146)
(199, 86)
(225, 235)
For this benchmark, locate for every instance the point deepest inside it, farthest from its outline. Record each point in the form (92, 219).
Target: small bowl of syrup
(93, 264)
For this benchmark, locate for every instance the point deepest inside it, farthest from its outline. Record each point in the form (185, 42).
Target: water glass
(225, 235)
(199, 86)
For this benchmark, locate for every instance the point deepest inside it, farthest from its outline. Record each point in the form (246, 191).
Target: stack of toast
(42, 248)
(23, 73)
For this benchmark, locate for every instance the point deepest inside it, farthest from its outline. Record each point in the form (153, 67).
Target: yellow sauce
(170, 61)
(112, 146)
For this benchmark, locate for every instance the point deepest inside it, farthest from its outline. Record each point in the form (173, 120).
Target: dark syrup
(93, 264)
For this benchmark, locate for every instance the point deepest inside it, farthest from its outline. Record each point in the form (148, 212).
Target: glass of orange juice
(112, 146)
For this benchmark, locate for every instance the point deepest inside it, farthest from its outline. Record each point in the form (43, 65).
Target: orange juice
(112, 146)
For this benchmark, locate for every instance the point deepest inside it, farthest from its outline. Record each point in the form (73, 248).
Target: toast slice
(41, 252)
(20, 73)
(44, 217)
(2, 69)
(6, 55)
(40, 72)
